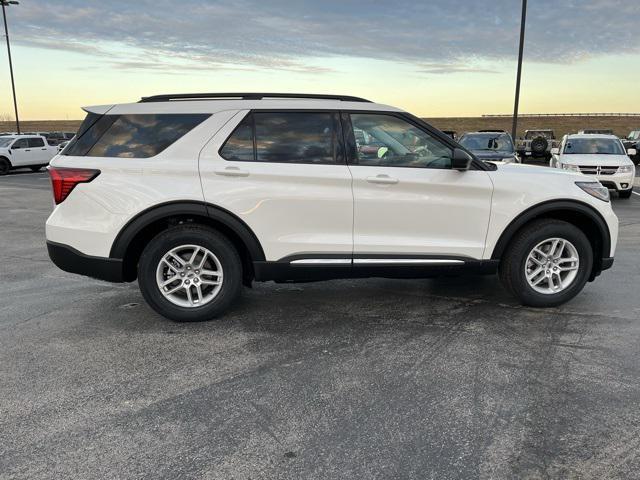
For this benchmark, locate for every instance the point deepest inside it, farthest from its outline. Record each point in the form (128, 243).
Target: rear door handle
(232, 172)
(382, 180)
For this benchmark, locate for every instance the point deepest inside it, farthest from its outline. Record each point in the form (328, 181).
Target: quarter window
(389, 141)
(285, 137)
(131, 136)
(239, 146)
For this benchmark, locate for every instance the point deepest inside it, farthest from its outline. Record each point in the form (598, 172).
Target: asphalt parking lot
(365, 379)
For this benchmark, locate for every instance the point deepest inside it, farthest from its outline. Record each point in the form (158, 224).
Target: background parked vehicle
(55, 138)
(596, 131)
(17, 151)
(452, 133)
(496, 146)
(632, 141)
(602, 157)
(536, 145)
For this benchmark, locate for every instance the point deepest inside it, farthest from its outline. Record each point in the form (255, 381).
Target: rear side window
(130, 136)
(285, 137)
(36, 142)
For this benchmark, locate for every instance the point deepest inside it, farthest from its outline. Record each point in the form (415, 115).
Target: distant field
(561, 125)
(42, 126)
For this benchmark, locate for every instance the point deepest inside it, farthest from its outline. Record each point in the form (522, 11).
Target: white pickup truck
(18, 151)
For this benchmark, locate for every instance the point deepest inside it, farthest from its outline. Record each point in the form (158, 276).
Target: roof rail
(247, 96)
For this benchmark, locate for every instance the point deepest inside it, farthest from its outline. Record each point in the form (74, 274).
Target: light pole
(523, 21)
(6, 3)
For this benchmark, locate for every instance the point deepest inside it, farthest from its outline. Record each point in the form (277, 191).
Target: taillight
(63, 180)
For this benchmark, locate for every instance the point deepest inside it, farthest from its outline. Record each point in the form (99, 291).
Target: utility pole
(6, 3)
(523, 21)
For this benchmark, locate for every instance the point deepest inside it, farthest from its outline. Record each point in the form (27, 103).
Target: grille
(598, 169)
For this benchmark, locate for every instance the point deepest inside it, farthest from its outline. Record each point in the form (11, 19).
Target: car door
(284, 174)
(408, 202)
(20, 152)
(39, 151)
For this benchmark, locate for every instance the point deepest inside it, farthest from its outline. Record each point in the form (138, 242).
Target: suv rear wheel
(547, 263)
(190, 273)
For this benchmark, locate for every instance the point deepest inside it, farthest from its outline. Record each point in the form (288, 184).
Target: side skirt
(313, 268)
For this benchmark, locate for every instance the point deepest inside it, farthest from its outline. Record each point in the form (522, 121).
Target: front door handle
(232, 172)
(382, 180)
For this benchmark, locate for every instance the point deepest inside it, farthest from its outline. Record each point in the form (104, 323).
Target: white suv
(196, 195)
(602, 157)
(17, 151)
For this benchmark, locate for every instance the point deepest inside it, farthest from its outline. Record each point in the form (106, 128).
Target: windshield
(539, 133)
(5, 141)
(601, 146)
(487, 142)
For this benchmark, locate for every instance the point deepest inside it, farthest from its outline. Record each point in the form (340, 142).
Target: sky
(440, 58)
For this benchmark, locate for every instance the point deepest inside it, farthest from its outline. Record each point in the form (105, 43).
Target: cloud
(437, 37)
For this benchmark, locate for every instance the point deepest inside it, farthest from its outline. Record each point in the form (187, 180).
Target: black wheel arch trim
(192, 207)
(548, 207)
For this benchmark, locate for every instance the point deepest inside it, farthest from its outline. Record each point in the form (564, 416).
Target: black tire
(539, 145)
(512, 264)
(198, 235)
(625, 193)
(5, 166)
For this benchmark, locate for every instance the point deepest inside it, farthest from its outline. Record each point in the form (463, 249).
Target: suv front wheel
(190, 273)
(547, 263)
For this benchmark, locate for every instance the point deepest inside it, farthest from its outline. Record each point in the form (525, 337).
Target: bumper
(616, 182)
(71, 260)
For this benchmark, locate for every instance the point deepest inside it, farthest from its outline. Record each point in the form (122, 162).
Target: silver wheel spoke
(170, 265)
(570, 268)
(535, 274)
(189, 297)
(169, 281)
(195, 253)
(175, 258)
(210, 273)
(203, 260)
(173, 290)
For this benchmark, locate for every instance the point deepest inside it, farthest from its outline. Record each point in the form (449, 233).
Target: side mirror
(631, 152)
(555, 151)
(460, 160)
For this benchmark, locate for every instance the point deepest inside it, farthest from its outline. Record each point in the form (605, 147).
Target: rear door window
(285, 137)
(131, 136)
(36, 142)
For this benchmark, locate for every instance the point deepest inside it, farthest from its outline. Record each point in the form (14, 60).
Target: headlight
(625, 169)
(595, 189)
(571, 168)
